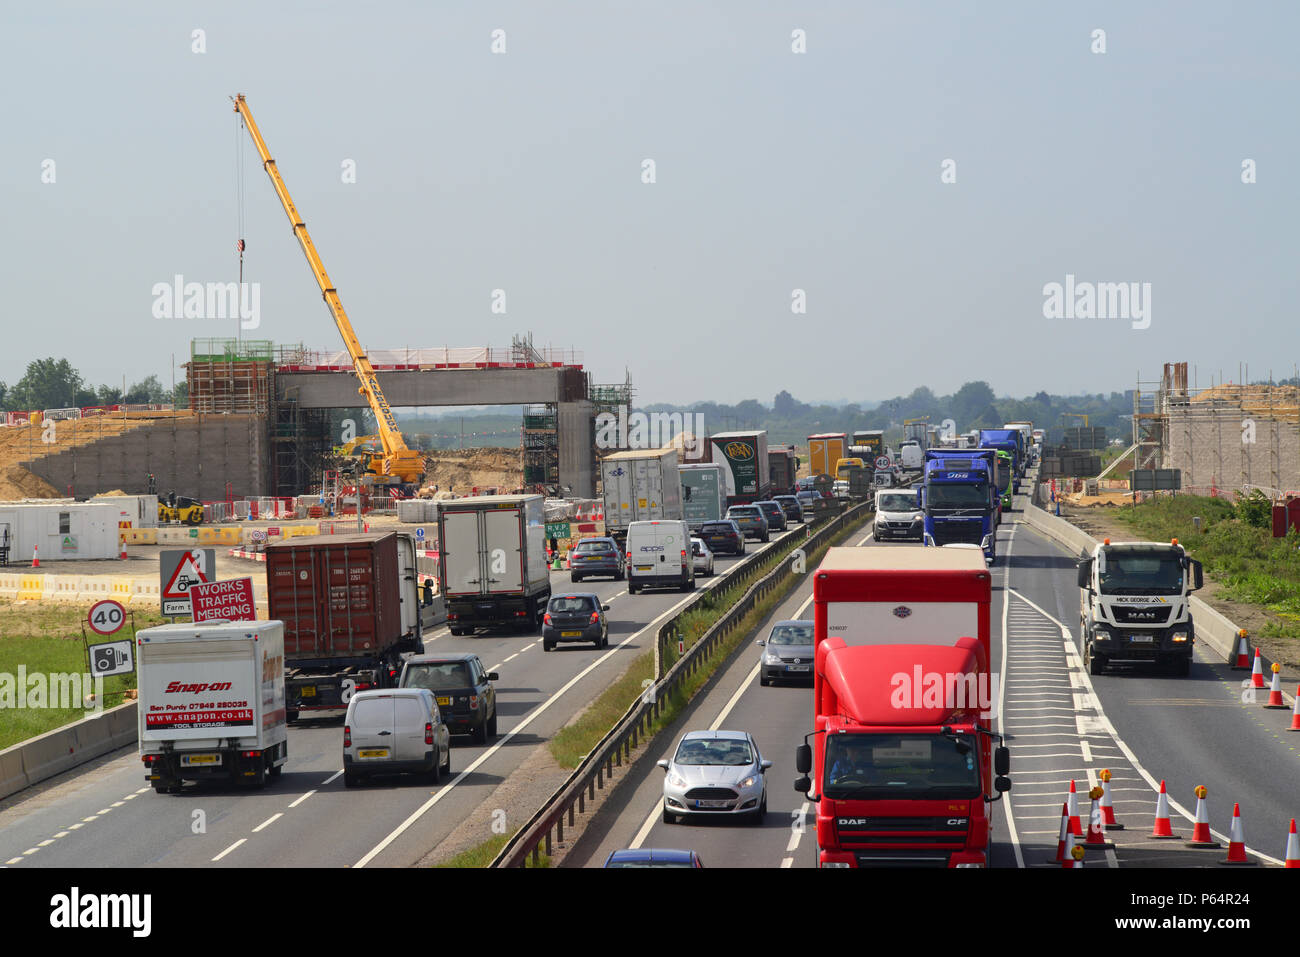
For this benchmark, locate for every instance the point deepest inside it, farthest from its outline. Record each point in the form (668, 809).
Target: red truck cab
(903, 762)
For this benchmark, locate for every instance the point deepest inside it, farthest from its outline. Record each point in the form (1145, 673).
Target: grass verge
(483, 855)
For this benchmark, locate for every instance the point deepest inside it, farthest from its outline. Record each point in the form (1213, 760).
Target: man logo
(738, 451)
(902, 611)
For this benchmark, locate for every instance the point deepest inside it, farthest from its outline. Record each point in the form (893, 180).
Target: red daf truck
(903, 762)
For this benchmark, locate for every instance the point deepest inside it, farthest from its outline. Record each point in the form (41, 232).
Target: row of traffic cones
(1201, 836)
(1275, 699)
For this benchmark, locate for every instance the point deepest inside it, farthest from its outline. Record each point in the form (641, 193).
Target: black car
(723, 536)
(774, 513)
(464, 691)
(575, 617)
(790, 504)
(596, 556)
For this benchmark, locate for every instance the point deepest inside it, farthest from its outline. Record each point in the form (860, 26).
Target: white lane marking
(303, 798)
(735, 698)
(87, 820)
(143, 790)
(46, 843)
(1087, 753)
(102, 811)
(269, 821)
(1006, 663)
(532, 716)
(787, 861)
(117, 803)
(129, 797)
(1105, 722)
(61, 834)
(30, 850)
(79, 824)
(14, 860)
(229, 849)
(333, 777)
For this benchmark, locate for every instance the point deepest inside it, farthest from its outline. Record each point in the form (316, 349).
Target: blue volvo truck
(1008, 440)
(958, 498)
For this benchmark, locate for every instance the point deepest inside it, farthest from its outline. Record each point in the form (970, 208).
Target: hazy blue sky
(775, 171)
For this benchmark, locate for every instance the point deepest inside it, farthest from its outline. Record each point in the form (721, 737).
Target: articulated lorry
(493, 570)
(1135, 605)
(902, 762)
(211, 703)
(1008, 440)
(350, 606)
(640, 486)
(782, 466)
(872, 440)
(704, 494)
(745, 465)
(824, 450)
(958, 499)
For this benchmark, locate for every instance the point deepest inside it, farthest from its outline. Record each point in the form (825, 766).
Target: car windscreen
(719, 751)
(884, 766)
(746, 511)
(716, 529)
(697, 547)
(791, 635)
(897, 503)
(649, 864)
(570, 605)
(603, 547)
(437, 677)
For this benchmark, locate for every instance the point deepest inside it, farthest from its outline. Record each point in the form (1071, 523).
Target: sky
(846, 200)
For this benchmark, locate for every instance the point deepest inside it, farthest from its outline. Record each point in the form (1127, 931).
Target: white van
(659, 553)
(394, 730)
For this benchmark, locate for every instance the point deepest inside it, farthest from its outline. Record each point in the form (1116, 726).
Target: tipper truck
(704, 495)
(745, 466)
(350, 607)
(493, 570)
(872, 440)
(211, 703)
(1135, 604)
(902, 762)
(958, 497)
(639, 486)
(824, 450)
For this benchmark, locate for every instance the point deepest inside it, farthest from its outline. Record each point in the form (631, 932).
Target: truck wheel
(1180, 667)
(290, 716)
(275, 770)
(1096, 663)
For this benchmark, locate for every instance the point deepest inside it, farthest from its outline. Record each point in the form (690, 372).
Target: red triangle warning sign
(187, 573)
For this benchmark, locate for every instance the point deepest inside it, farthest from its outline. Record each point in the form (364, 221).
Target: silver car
(716, 773)
(702, 556)
(787, 652)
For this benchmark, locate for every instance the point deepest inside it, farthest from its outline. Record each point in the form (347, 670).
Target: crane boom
(398, 461)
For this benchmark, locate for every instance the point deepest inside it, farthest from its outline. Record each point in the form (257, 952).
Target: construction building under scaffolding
(1227, 436)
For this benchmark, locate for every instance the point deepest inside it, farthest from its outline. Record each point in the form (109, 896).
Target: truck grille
(711, 794)
(949, 824)
(901, 859)
(1142, 615)
(952, 533)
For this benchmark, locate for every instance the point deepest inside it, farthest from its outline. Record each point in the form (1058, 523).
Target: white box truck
(493, 567)
(640, 486)
(211, 702)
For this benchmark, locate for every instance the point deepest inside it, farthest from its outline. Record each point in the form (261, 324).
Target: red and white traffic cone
(1072, 802)
(122, 548)
(1275, 689)
(1237, 840)
(1201, 836)
(1292, 847)
(36, 557)
(1107, 809)
(1073, 853)
(1096, 837)
(1243, 653)
(1063, 837)
(1257, 672)
(1295, 712)
(1162, 827)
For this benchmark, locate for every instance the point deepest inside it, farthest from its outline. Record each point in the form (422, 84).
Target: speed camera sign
(106, 617)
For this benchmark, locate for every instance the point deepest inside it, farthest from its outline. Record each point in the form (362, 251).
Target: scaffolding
(300, 445)
(229, 375)
(540, 438)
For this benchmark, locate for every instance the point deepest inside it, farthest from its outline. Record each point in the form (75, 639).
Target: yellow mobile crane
(397, 464)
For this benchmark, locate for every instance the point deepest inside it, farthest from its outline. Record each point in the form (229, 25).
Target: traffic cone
(1162, 828)
(122, 548)
(1292, 848)
(1073, 853)
(1072, 801)
(1096, 837)
(1243, 653)
(1063, 836)
(1295, 712)
(1108, 809)
(1236, 841)
(1201, 836)
(36, 558)
(1275, 689)
(1257, 673)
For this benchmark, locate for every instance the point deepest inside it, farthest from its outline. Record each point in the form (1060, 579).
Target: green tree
(48, 384)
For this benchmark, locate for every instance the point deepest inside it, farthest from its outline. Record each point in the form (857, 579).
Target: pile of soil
(459, 470)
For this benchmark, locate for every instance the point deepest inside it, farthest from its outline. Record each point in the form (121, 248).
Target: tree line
(55, 384)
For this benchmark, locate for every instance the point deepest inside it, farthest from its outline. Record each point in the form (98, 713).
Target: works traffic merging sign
(224, 601)
(180, 570)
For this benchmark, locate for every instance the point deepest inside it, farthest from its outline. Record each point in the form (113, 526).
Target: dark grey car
(793, 510)
(596, 556)
(787, 652)
(774, 513)
(463, 688)
(751, 521)
(577, 616)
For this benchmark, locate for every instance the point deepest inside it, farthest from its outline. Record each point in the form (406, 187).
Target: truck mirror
(1001, 760)
(493, 676)
(803, 759)
(803, 785)
(1198, 576)
(1002, 784)
(1084, 573)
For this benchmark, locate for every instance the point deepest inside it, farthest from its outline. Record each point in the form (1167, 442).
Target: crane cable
(239, 213)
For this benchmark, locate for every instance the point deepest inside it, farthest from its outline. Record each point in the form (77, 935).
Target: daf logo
(738, 450)
(902, 611)
(851, 821)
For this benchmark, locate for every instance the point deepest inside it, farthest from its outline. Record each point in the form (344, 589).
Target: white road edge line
(1002, 698)
(303, 798)
(269, 821)
(229, 849)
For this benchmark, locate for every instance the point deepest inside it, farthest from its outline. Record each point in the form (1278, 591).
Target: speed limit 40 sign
(106, 617)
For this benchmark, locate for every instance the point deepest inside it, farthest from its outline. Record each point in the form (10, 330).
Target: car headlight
(917, 517)
(749, 782)
(771, 659)
(1179, 636)
(676, 780)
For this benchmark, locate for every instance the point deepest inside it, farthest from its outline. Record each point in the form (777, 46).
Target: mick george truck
(639, 487)
(824, 450)
(745, 465)
(350, 606)
(704, 495)
(901, 761)
(211, 703)
(493, 562)
(958, 498)
(1135, 604)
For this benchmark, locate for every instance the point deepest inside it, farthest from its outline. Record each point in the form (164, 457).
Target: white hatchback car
(703, 557)
(395, 730)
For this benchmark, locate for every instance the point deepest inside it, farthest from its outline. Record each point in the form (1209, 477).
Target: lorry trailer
(745, 465)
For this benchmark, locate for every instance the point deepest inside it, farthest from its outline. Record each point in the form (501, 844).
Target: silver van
(395, 730)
